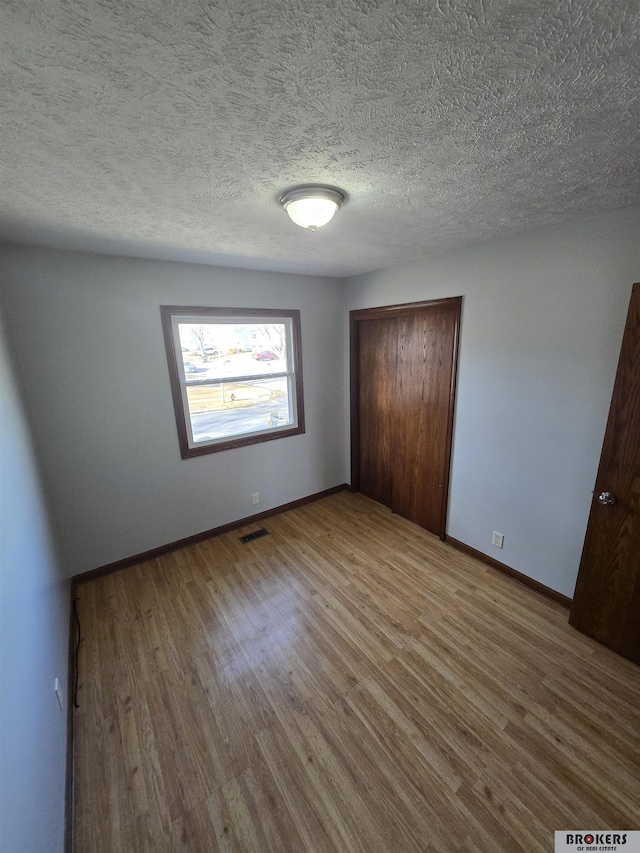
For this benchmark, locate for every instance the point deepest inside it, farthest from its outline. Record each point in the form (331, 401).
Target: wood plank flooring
(347, 683)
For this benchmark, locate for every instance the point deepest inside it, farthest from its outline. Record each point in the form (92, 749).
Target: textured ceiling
(168, 129)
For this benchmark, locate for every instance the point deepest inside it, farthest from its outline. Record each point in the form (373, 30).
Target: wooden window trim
(167, 312)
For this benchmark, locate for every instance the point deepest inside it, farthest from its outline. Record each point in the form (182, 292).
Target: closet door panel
(426, 347)
(377, 377)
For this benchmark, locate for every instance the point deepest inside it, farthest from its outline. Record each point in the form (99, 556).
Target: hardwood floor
(347, 683)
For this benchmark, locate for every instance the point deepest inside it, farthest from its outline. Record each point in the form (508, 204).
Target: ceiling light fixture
(312, 205)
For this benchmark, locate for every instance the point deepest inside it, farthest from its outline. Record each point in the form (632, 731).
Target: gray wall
(34, 624)
(542, 324)
(87, 335)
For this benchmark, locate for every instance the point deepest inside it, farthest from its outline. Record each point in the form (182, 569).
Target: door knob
(606, 499)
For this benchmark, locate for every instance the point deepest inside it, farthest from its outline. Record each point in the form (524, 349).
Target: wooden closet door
(377, 374)
(403, 369)
(426, 347)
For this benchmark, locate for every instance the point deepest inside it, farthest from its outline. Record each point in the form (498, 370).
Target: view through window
(236, 375)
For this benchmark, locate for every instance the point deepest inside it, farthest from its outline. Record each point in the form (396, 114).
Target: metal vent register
(249, 537)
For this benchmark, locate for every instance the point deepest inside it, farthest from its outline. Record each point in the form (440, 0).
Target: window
(236, 375)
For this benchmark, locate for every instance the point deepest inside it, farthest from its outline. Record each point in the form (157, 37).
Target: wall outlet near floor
(497, 539)
(256, 497)
(58, 691)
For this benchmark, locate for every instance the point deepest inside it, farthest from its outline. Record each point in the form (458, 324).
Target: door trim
(389, 312)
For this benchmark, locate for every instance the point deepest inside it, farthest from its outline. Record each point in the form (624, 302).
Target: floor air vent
(255, 535)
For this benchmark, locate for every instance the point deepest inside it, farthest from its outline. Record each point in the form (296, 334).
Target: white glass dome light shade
(311, 212)
(312, 206)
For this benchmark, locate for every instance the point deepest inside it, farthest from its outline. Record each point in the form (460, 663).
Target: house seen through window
(236, 376)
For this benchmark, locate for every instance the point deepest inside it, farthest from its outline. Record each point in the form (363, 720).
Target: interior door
(404, 360)
(606, 603)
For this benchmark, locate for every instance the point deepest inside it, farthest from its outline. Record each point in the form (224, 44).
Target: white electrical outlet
(256, 497)
(497, 539)
(58, 691)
